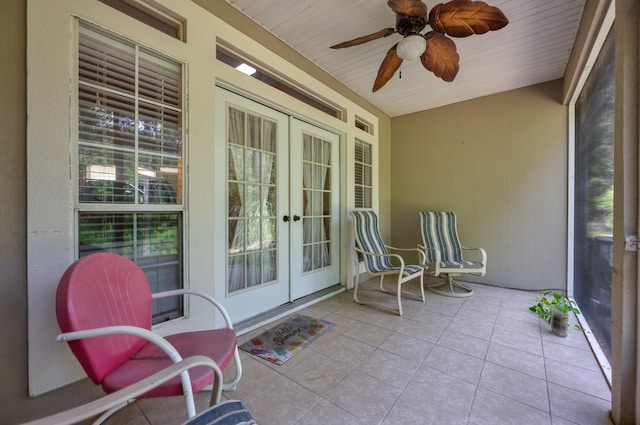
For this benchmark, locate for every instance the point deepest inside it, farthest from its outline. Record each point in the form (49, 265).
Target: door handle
(286, 218)
(296, 218)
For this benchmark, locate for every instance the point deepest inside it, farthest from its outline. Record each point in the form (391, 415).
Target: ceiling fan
(437, 52)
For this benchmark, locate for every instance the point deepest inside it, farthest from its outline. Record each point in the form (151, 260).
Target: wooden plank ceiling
(533, 48)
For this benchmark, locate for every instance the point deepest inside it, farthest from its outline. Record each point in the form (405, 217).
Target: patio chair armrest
(150, 336)
(482, 252)
(428, 248)
(119, 397)
(203, 295)
(420, 252)
(375, 254)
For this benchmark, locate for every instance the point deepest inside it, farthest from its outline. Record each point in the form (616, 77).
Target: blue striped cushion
(367, 234)
(230, 412)
(439, 231)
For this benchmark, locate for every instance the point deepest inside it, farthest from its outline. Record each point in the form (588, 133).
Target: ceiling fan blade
(441, 56)
(409, 7)
(388, 67)
(360, 40)
(462, 18)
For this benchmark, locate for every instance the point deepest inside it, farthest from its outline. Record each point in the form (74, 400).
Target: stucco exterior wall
(499, 162)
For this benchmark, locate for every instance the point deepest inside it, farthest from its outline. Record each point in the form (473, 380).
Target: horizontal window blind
(130, 123)
(363, 169)
(129, 159)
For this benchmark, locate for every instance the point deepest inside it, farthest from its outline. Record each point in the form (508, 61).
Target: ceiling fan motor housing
(408, 25)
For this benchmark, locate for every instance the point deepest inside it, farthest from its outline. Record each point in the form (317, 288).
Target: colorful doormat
(287, 338)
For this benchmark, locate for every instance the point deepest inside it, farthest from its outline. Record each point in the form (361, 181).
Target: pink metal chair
(103, 306)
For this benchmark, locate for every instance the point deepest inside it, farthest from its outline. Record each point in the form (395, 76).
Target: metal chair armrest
(203, 295)
(421, 254)
(150, 336)
(119, 397)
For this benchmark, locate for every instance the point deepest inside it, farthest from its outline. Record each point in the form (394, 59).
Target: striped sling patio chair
(444, 254)
(378, 259)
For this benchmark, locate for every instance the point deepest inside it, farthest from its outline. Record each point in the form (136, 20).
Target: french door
(282, 206)
(314, 183)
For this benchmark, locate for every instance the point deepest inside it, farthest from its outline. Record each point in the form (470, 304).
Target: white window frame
(136, 208)
(52, 46)
(358, 181)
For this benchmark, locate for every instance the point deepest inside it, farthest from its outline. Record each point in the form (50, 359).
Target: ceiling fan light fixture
(411, 47)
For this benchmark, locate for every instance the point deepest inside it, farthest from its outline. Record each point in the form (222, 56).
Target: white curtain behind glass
(317, 155)
(251, 200)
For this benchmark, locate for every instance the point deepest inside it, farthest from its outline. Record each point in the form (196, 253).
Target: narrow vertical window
(363, 167)
(129, 159)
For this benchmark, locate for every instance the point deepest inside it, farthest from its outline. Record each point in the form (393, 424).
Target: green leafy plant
(551, 302)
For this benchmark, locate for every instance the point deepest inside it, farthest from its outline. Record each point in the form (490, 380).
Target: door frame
(220, 212)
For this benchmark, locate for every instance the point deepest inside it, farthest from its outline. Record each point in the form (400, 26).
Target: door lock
(286, 218)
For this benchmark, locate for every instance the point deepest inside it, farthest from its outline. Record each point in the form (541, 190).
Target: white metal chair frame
(377, 258)
(217, 386)
(121, 398)
(445, 254)
(228, 386)
(171, 352)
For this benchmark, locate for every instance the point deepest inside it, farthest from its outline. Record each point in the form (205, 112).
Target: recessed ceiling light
(243, 67)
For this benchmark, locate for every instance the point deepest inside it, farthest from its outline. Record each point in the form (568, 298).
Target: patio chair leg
(466, 290)
(355, 286)
(399, 296)
(381, 283)
(231, 386)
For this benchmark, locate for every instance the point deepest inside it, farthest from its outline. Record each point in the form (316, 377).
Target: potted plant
(554, 307)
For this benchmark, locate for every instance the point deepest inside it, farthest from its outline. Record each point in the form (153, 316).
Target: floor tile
(481, 328)
(465, 344)
(339, 347)
(389, 368)
(578, 407)
(369, 334)
(319, 373)
(425, 331)
(367, 398)
(577, 378)
(281, 402)
(448, 361)
(442, 389)
(407, 347)
(413, 408)
(455, 363)
(531, 364)
(490, 408)
(566, 354)
(327, 413)
(437, 304)
(517, 340)
(515, 385)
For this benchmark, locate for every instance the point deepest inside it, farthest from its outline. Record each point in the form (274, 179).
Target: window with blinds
(363, 167)
(129, 158)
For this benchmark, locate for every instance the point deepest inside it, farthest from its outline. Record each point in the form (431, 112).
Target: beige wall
(15, 405)
(499, 162)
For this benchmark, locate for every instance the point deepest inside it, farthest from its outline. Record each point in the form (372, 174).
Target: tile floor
(483, 360)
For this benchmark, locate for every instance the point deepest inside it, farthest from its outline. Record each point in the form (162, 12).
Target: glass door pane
(316, 198)
(252, 202)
